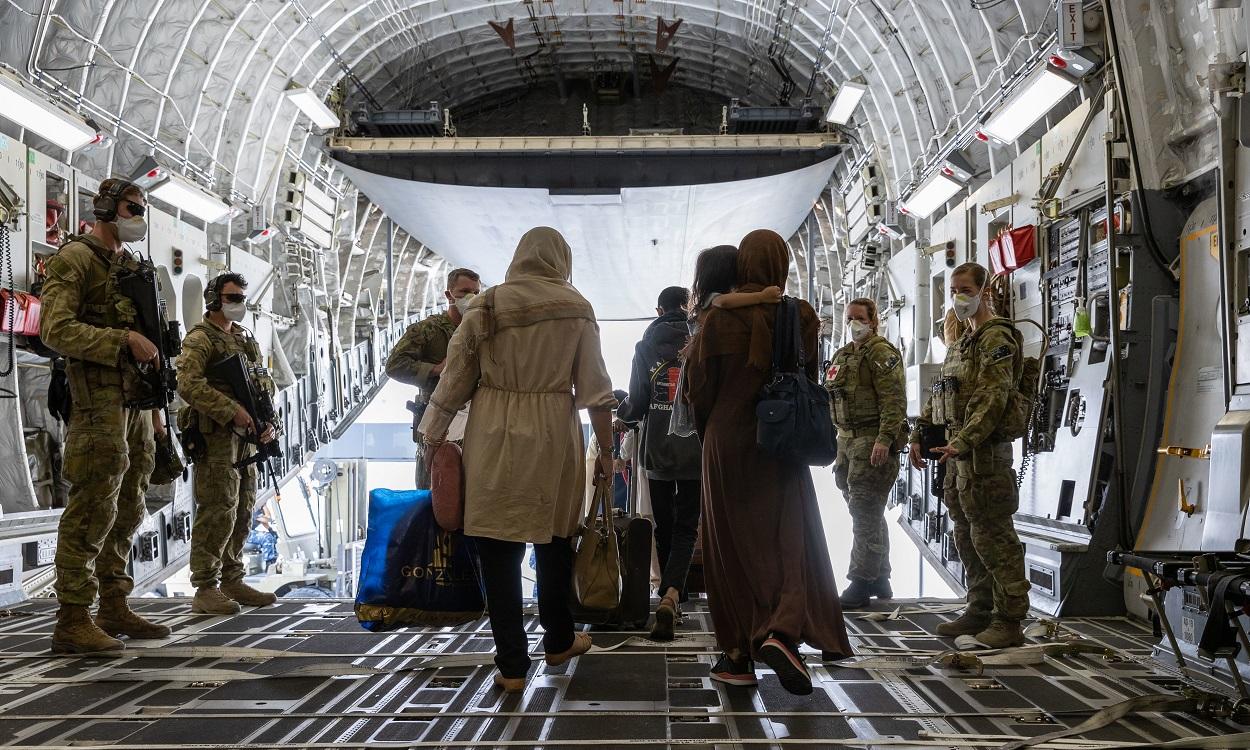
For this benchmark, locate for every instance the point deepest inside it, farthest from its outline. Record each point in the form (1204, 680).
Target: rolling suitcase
(635, 536)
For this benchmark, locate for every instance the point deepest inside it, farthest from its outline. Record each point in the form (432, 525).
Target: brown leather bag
(597, 562)
(447, 486)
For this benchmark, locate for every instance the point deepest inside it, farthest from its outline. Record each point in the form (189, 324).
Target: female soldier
(865, 381)
(978, 376)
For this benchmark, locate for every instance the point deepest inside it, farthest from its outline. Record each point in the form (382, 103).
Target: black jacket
(652, 389)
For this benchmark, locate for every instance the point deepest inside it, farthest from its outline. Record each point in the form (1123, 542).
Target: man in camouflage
(865, 383)
(979, 375)
(419, 356)
(224, 493)
(109, 450)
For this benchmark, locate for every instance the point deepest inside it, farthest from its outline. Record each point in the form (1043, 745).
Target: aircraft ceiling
(200, 82)
(203, 79)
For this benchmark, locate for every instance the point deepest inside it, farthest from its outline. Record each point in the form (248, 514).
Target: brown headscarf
(763, 261)
(536, 288)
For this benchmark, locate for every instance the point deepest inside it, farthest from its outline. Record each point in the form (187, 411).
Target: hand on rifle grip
(244, 420)
(142, 349)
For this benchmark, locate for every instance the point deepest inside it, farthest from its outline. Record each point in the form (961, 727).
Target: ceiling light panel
(31, 110)
(1036, 95)
(312, 106)
(188, 197)
(845, 103)
(932, 194)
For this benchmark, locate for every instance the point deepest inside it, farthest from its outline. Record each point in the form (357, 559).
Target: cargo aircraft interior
(253, 252)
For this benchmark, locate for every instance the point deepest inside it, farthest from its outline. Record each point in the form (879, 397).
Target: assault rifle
(239, 375)
(157, 385)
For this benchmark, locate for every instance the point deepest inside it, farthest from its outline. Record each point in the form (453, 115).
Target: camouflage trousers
(981, 505)
(866, 489)
(109, 455)
(224, 499)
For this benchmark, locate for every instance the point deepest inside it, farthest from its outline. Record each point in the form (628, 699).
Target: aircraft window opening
(1066, 490)
(56, 216)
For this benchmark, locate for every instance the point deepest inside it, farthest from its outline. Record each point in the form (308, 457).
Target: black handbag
(793, 414)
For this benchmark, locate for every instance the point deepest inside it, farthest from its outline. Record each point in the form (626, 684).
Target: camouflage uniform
(869, 406)
(423, 346)
(978, 376)
(224, 495)
(109, 450)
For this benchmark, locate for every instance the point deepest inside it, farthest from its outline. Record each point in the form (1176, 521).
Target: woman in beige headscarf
(527, 353)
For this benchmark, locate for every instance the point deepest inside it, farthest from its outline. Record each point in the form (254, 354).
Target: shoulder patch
(999, 354)
(887, 363)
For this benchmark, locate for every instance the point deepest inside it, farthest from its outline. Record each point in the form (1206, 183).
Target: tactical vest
(102, 306)
(224, 345)
(854, 400)
(961, 371)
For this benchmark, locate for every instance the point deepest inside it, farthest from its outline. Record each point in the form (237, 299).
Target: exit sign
(1071, 24)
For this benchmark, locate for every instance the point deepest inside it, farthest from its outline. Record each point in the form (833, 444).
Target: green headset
(212, 293)
(104, 205)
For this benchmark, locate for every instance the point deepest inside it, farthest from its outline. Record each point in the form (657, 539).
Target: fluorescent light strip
(932, 194)
(845, 103)
(31, 111)
(312, 106)
(1036, 96)
(191, 198)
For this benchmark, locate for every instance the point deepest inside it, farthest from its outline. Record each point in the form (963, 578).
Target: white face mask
(462, 304)
(234, 311)
(131, 229)
(965, 307)
(860, 331)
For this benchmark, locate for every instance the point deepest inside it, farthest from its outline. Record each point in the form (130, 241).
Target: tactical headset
(104, 206)
(212, 293)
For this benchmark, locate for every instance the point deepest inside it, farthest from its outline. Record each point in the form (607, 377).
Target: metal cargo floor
(290, 676)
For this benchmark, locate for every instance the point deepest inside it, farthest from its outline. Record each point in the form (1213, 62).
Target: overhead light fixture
(947, 179)
(165, 185)
(932, 194)
(310, 104)
(33, 111)
(845, 102)
(1036, 95)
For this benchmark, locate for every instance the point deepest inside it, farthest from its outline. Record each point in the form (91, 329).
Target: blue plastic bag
(413, 573)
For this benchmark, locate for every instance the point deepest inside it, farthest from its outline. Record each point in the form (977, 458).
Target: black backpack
(667, 455)
(794, 423)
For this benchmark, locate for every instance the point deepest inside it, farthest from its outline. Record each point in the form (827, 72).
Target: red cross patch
(832, 372)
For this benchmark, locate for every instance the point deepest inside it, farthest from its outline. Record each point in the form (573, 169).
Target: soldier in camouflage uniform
(979, 375)
(865, 382)
(224, 494)
(109, 450)
(419, 356)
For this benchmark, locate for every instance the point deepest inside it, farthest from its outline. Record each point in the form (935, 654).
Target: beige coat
(523, 449)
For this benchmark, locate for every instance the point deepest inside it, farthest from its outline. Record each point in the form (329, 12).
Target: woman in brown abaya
(770, 584)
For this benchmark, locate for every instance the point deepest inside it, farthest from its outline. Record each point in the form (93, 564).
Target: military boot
(1002, 634)
(881, 588)
(857, 594)
(75, 633)
(969, 623)
(210, 601)
(116, 618)
(246, 595)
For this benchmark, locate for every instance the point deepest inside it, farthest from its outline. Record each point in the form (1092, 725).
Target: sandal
(665, 620)
(509, 684)
(581, 644)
